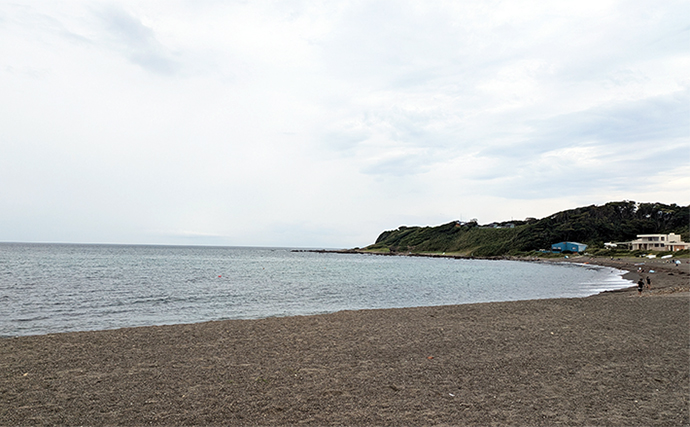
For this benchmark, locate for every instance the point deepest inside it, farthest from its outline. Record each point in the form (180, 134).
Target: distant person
(649, 283)
(640, 286)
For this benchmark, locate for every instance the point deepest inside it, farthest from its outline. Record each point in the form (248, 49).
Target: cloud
(137, 41)
(324, 123)
(613, 146)
(656, 118)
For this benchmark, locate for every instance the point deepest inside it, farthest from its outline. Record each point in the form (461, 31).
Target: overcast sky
(324, 123)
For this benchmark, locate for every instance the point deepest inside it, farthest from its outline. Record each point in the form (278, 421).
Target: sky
(323, 123)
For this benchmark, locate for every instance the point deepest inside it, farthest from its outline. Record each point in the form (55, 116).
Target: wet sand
(610, 359)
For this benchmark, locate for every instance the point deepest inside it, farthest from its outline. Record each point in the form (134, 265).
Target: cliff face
(593, 225)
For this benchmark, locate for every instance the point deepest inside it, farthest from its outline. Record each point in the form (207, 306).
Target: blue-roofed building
(568, 246)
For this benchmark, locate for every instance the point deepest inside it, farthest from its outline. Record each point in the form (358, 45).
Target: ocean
(50, 288)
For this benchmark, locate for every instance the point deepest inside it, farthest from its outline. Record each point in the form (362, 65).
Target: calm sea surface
(46, 288)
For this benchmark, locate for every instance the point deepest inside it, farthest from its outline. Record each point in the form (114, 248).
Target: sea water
(47, 288)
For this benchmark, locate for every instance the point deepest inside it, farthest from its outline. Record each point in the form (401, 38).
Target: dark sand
(611, 359)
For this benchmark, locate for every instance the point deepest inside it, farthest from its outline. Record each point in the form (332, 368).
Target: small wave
(31, 319)
(153, 300)
(599, 287)
(109, 312)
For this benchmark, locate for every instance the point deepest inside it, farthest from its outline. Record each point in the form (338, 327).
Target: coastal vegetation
(592, 225)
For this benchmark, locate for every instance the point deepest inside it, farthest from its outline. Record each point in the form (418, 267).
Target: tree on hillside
(592, 225)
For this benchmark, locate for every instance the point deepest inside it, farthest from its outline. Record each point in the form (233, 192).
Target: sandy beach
(611, 359)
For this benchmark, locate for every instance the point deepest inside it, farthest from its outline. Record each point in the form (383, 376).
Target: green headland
(592, 225)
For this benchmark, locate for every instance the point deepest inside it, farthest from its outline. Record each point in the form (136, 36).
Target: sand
(611, 359)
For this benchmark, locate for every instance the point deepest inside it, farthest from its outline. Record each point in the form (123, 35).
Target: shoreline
(613, 358)
(623, 272)
(626, 266)
(663, 269)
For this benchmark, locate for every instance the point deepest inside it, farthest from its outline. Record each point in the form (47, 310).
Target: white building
(659, 242)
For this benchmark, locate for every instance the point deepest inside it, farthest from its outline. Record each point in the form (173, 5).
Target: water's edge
(65, 288)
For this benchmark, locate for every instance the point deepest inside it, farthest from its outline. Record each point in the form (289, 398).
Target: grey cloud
(138, 42)
(626, 144)
(401, 165)
(384, 44)
(345, 140)
(660, 120)
(405, 132)
(40, 24)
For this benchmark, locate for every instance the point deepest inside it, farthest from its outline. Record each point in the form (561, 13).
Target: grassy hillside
(593, 225)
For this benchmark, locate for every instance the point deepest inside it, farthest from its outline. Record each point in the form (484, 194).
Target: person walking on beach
(640, 286)
(649, 283)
